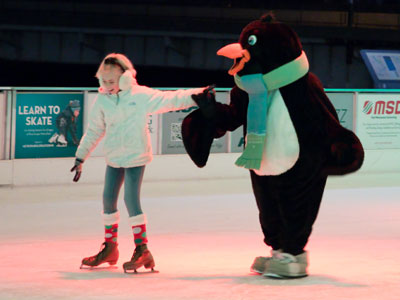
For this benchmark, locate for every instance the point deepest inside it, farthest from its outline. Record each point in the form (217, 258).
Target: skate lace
(103, 247)
(137, 253)
(100, 254)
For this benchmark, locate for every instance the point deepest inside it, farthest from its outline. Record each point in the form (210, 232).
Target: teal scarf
(260, 88)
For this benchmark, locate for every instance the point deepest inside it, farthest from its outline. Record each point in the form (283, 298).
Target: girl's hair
(116, 59)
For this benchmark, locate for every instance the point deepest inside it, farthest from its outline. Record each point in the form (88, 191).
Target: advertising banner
(91, 97)
(171, 136)
(237, 140)
(153, 127)
(344, 105)
(47, 124)
(3, 112)
(378, 120)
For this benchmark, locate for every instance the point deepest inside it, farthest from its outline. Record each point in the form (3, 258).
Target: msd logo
(381, 107)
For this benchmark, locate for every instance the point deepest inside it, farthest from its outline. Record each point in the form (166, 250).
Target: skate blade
(85, 267)
(273, 275)
(257, 272)
(277, 276)
(135, 272)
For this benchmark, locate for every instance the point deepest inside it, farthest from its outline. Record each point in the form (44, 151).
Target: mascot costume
(293, 139)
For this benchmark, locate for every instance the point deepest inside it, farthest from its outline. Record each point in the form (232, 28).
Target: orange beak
(235, 51)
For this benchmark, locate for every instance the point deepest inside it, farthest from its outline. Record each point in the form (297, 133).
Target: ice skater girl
(120, 115)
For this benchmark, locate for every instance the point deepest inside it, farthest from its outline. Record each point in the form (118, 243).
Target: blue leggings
(113, 182)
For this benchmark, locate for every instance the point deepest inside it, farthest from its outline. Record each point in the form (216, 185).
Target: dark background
(26, 25)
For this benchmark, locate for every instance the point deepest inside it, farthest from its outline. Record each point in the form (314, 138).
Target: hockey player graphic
(66, 122)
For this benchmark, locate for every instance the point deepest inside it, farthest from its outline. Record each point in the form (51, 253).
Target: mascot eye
(252, 40)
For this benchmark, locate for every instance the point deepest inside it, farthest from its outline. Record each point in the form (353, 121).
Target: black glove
(77, 168)
(206, 101)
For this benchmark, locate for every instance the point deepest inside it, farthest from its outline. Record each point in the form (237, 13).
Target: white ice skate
(53, 139)
(62, 141)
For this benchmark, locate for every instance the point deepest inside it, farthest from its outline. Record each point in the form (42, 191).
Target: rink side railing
(28, 121)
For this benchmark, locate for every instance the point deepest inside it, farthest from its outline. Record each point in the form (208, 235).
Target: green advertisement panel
(48, 124)
(344, 105)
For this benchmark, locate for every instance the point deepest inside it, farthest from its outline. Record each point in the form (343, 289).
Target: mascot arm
(212, 120)
(233, 115)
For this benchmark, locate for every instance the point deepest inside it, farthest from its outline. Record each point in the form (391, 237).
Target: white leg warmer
(110, 219)
(138, 220)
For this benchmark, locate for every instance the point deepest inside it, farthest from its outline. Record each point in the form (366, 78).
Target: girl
(120, 114)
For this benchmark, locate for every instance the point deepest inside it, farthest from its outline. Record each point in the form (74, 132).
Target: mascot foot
(285, 265)
(261, 263)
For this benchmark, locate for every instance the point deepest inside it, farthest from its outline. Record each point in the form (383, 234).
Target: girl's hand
(206, 101)
(77, 168)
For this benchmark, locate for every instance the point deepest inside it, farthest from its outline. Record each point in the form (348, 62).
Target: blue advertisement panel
(384, 67)
(48, 124)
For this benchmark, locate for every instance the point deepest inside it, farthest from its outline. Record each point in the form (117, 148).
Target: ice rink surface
(203, 235)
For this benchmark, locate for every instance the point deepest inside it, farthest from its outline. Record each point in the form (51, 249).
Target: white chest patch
(281, 149)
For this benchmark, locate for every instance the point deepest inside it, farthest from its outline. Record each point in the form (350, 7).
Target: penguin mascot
(293, 139)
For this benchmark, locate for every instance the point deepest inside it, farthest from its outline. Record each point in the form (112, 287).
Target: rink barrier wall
(167, 166)
(54, 171)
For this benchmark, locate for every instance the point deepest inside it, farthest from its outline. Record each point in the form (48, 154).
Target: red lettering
(379, 107)
(397, 111)
(390, 107)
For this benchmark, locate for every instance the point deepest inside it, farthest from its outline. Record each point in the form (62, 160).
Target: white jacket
(122, 118)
